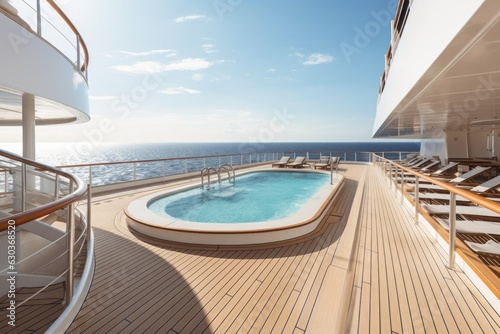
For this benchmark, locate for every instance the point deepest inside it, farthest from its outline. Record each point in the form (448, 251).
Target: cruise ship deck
(368, 268)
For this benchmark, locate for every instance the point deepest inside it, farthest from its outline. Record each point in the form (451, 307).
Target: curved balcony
(43, 56)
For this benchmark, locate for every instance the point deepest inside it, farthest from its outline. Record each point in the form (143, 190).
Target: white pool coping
(305, 220)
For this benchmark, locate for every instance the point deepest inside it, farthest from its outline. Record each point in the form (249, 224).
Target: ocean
(60, 154)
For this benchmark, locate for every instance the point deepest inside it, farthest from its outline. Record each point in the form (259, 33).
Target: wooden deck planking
(268, 289)
(440, 303)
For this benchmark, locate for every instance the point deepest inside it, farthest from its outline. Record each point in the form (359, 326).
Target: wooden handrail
(27, 216)
(77, 33)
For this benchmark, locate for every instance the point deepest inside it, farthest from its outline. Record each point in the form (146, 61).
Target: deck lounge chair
(471, 226)
(457, 180)
(298, 162)
(465, 210)
(491, 247)
(421, 163)
(283, 161)
(427, 168)
(481, 189)
(440, 172)
(324, 162)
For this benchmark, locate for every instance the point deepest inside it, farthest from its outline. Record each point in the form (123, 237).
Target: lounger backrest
(285, 159)
(429, 166)
(299, 160)
(470, 174)
(488, 185)
(421, 163)
(445, 168)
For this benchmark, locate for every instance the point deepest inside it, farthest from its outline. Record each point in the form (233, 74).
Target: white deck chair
(479, 189)
(460, 210)
(472, 226)
(456, 181)
(438, 172)
(491, 247)
(283, 161)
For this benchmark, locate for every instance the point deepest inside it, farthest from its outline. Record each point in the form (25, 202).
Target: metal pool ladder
(228, 169)
(225, 167)
(208, 170)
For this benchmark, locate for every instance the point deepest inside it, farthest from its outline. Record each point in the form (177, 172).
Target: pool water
(255, 197)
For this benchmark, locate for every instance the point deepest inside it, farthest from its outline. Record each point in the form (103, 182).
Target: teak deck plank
(400, 280)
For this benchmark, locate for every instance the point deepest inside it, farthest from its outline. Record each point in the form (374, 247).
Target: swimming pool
(255, 197)
(261, 206)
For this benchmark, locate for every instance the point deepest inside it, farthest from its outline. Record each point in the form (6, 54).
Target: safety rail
(47, 20)
(40, 194)
(112, 173)
(396, 170)
(397, 28)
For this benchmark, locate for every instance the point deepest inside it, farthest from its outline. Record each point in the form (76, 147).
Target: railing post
(355, 156)
(185, 166)
(345, 156)
(90, 175)
(452, 230)
(135, 171)
(78, 63)
(70, 235)
(24, 178)
(402, 186)
(241, 159)
(417, 199)
(56, 186)
(38, 18)
(400, 156)
(89, 211)
(164, 168)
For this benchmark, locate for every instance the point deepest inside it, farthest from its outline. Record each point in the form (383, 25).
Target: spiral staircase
(46, 240)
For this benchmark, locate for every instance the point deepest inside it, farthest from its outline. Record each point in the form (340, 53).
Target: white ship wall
(430, 27)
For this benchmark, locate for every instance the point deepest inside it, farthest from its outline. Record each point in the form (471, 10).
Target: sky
(229, 70)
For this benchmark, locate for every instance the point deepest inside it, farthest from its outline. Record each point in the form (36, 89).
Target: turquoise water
(255, 197)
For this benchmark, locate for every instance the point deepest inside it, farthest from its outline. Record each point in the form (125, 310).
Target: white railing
(46, 20)
(107, 173)
(35, 195)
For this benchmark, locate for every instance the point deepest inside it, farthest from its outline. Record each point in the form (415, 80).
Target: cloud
(179, 90)
(318, 58)
(297, 54)
(271, 70)
(169, 52)
(198, 76)
(208, 48)
(187, 64)
(189, 18)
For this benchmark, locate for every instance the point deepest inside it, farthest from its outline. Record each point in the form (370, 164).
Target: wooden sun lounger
(490, 247)
(457, 180)
(282, 163)
(472, 226)
(460, 210)
(298, 162)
